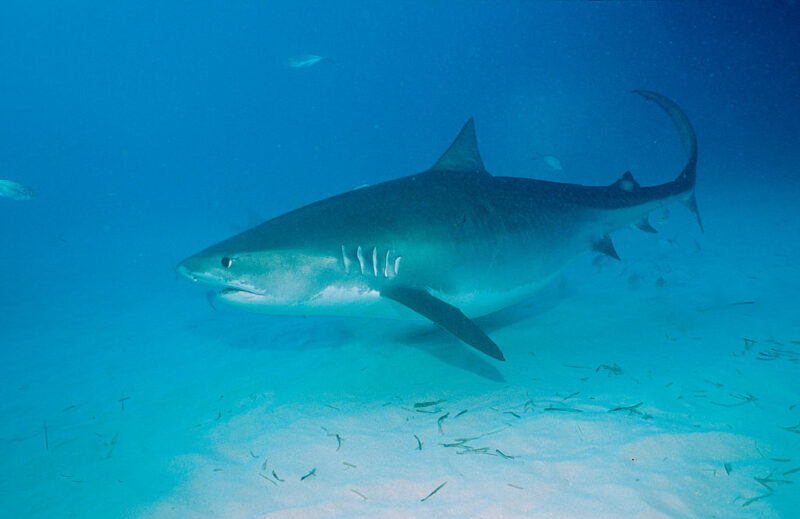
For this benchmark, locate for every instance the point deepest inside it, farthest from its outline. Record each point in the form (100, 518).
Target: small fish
(112, 445)
(465, 440)
(359, 494)
(267, 478)
(629, 408)
(794, 428)
(612, 370)
(15, 191)
(551, 161)
(122, 401)
(505, 456)
(768, 481)
(454, 444)
(429, 411)
(420, 405)
(434, 491)
(472, 450)
(304, 61)
(563, 409)
(742, 400)
(419, 443)
(338, 438)
(440, 420)
(757, 498)
(312, 473)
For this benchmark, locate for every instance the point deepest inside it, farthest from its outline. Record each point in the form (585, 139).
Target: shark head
(251, 272)
(248, 276)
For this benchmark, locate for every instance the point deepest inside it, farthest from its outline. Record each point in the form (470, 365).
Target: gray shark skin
(449, 244)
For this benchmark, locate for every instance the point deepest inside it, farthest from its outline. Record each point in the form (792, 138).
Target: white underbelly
(330, 301)
(368, 303)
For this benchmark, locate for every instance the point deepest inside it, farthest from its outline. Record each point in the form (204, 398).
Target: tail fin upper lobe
(688, 176)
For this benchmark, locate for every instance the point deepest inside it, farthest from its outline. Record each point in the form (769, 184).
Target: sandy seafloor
(158, 406)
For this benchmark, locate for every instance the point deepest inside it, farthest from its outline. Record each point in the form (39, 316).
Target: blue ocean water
(150, 131)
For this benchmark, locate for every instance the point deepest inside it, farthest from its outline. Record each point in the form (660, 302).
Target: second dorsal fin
(626, 183)
(463, 154)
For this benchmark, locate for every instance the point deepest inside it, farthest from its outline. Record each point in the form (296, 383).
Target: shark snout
(198, 270)
(192, 268)
(183, 270)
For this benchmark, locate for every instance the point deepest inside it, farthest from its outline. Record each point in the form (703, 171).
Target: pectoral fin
(447, 316)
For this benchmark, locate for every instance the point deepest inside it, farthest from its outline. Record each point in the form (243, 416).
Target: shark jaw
(348, 297)
(208, 278)
(448, 244)
(342, 301)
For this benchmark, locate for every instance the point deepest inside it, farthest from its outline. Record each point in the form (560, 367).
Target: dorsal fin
(463, 154)
(626, 182)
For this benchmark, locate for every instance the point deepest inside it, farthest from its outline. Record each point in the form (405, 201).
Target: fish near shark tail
(687, 178)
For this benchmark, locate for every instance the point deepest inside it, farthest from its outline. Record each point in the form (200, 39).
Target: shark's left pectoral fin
(445, 315)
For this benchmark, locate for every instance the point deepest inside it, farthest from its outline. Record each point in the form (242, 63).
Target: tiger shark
(449, 244)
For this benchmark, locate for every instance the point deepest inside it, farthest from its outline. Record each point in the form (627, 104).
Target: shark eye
(226, 262)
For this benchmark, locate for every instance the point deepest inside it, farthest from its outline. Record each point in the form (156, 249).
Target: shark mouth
(244, 297)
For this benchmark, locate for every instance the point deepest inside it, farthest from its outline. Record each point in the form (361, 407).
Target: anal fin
(644, 225)
(445, 315)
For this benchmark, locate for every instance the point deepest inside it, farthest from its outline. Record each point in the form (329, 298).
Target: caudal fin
(686, 180)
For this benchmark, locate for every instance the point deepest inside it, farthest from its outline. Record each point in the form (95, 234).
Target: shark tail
(687, 178)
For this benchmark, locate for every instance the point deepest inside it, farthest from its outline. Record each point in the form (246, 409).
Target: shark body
(448, 244)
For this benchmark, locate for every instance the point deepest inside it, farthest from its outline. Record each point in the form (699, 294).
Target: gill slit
(391, 266)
